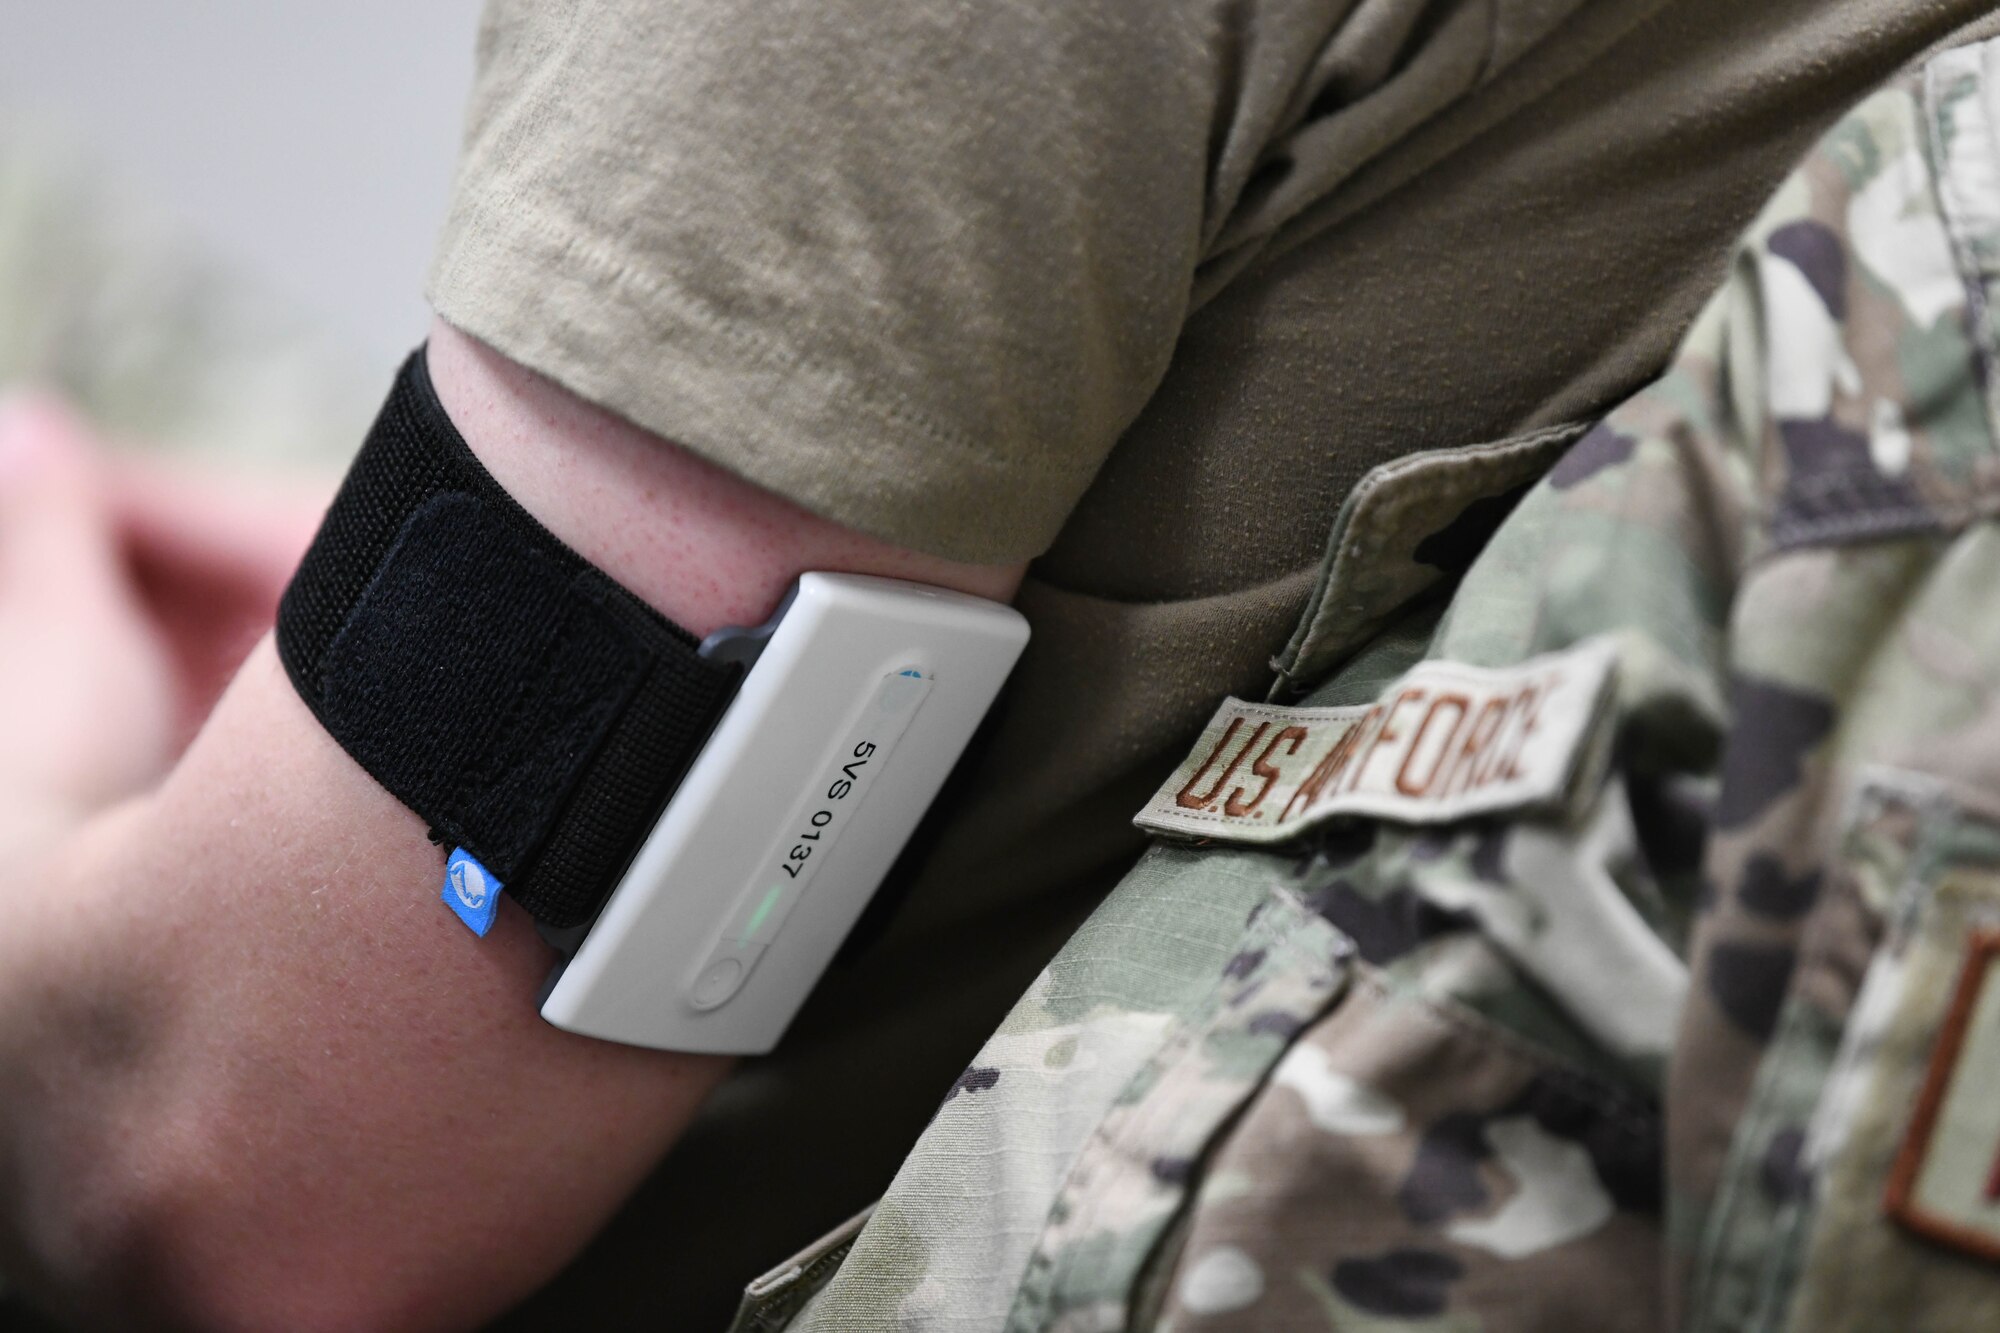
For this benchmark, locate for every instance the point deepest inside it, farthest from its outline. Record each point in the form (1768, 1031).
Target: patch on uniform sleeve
(1443, 743)
(1945, 1185)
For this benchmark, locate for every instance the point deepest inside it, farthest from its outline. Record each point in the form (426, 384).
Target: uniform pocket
(1130, 1179)
(1425, 1136)
(1409, 1160)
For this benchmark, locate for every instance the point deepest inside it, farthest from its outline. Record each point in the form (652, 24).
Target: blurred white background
(312, 145)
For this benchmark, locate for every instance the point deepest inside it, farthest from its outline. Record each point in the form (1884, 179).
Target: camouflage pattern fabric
(1712, 1050)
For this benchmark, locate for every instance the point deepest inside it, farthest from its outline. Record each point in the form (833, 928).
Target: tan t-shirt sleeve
(913, 266)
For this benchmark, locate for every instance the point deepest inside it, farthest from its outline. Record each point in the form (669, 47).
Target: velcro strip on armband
(532, 711)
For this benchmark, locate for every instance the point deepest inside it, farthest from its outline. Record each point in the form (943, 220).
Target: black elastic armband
(530, 709)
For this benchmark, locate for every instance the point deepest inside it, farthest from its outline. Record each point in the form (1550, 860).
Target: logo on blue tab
(471, 892)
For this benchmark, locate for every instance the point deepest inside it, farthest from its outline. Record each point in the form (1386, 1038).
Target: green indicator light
(763, 910)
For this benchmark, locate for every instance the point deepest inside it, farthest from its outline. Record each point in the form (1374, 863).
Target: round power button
(717, 983)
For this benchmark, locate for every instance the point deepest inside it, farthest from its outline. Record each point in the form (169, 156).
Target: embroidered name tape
(1443, 743)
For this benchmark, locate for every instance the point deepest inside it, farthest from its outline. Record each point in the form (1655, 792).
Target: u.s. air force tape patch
(1442, 743)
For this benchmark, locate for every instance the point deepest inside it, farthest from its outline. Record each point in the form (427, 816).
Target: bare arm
(251, 1074)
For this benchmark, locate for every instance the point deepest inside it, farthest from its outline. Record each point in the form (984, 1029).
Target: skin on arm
(252, 1074)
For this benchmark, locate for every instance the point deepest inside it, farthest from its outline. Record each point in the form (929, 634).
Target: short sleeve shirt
(1139, 290)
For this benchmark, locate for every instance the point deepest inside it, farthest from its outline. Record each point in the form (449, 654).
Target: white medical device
(861, 694)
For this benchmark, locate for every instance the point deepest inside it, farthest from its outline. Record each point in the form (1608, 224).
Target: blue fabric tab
(471, 892)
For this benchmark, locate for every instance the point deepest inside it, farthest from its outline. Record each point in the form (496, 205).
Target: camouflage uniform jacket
(1610, 940)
